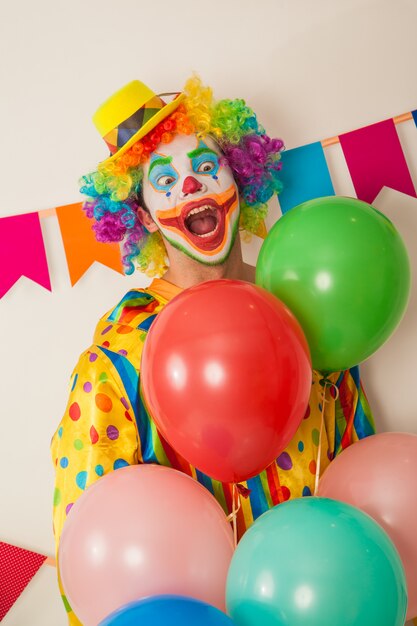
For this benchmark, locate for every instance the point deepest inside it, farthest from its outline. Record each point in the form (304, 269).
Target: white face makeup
(193, 198)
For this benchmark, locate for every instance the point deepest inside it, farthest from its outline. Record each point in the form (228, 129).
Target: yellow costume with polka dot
(105, 425)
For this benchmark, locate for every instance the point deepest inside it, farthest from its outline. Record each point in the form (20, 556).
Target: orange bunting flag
(80, 244)
(17, 568)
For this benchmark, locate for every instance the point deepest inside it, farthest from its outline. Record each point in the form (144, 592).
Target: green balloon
(316, 562)
(342, 268)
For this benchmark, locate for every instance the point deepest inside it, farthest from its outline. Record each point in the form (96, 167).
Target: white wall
(310, 69)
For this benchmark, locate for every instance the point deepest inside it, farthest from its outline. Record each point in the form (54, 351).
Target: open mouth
(203, 221)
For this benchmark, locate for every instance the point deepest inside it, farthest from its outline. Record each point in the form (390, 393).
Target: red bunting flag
(17, 568)
(22, 251)
(375, 160)
(81, 246)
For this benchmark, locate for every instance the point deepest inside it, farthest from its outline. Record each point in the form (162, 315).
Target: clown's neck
(186, 272)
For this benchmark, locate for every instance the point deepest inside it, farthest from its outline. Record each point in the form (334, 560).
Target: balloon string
(235, 510)
(325, 384)
(318, 464)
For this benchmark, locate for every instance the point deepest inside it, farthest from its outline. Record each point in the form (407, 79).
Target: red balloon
(226, 376)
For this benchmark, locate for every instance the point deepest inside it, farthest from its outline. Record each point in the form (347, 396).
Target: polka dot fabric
(96, 441)
(17, 568)
(106, 427)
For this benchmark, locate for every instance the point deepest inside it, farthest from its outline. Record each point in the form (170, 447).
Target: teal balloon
(343, 269)
(316, 562)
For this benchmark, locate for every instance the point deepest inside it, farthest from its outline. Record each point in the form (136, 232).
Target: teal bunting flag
(305, 176)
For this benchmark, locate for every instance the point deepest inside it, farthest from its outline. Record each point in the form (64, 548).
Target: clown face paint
(193, 198)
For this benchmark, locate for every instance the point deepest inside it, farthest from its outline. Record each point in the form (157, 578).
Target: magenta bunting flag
(375, 160)
(22, 251)
(17, 568)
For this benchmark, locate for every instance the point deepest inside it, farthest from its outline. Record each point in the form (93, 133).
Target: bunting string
(305, 176)
(404, 117)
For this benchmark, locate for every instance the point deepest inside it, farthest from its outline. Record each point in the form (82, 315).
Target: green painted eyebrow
(159, 161)
(195, 153)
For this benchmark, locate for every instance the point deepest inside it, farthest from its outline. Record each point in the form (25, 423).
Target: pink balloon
(378, 475)
(140, 531)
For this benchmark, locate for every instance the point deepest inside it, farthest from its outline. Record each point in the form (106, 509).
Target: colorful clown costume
(105, 425)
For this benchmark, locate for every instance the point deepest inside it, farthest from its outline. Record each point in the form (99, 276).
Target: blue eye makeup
(204, 160)
(206, 163)
(162, 175)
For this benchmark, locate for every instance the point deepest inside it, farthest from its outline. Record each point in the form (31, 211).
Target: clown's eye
(165, 181)
(206, 167)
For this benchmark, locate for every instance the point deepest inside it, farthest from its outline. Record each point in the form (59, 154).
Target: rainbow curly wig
(114, 190)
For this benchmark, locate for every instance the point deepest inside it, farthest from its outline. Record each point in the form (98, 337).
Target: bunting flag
(375, 160)
(305, 176)
(80, 244)
(22, 251)
(17, 568)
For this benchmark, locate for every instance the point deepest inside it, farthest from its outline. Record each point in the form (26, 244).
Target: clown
(184, 179)
(193, 200)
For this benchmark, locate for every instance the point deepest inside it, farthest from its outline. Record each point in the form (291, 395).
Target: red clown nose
(191, 185)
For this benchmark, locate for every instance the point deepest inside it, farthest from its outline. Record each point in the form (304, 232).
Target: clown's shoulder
(123, 329)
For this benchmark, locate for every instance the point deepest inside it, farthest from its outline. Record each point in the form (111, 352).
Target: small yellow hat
(130, 113)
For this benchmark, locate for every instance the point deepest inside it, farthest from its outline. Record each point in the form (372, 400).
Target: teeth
(198, 210)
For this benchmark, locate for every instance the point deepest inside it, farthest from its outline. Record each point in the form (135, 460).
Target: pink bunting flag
(17, 568)
(22, 251)
(375, 160)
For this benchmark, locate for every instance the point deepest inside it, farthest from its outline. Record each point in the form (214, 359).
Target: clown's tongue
(202, 223)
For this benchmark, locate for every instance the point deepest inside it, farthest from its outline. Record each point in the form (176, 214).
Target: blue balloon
(167, 611)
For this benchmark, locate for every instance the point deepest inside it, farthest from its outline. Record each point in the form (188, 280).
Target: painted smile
(203, 221)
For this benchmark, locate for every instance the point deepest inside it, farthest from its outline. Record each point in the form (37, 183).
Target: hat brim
(146, 128)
